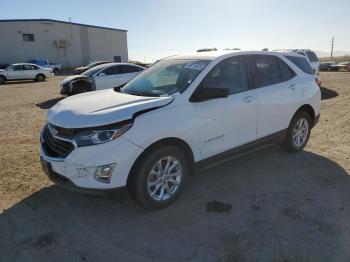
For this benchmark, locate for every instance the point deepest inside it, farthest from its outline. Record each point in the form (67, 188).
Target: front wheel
(298, 133)
(159, 178)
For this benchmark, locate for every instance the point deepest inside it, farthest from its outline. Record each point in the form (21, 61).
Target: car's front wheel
(159, 178)
(298, 133)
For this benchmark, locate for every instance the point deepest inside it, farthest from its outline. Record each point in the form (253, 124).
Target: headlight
(89, 138)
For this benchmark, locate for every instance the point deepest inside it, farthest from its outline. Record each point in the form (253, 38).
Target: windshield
(166, 77)
(91, 71)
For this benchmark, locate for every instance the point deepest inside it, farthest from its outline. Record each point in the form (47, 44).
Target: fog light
(104, 173)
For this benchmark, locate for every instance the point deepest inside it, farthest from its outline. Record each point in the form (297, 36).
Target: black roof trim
(59, 21)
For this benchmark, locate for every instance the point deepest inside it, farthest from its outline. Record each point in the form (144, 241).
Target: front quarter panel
(173, 121)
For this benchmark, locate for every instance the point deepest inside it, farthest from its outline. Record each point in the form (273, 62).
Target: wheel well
(40, 74)
(309, 110)
(3, 77)
(165, 142)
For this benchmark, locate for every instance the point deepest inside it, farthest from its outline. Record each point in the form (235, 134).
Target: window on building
(28, 37)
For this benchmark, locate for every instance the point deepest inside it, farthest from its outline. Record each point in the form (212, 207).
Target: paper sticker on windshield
(198, 67)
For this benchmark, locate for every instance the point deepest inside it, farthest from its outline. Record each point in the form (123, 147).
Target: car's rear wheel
(159, 178)
(40, 78)
(2, 80)
(55, 71)
(298, 133)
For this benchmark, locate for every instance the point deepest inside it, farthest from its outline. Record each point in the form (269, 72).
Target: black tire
(138, 183)
(40, 78)
(292, 146)
(2, 80)
(56, 71)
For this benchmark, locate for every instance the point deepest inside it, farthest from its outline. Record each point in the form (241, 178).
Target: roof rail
(207, 49)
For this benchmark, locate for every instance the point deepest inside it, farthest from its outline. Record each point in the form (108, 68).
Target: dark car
(80, 70)
(325, 66)
(3, 66)
(341, 66)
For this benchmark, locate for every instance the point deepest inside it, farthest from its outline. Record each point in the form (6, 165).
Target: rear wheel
(55, 71)
(2, 80)
(40, 78)
(159, 178)
(298, 133)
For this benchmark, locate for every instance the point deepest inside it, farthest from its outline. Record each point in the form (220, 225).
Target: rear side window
(130, 69)
(286, 71)
(312, 56)
(266, 70)
(113, 70)
(301, 63)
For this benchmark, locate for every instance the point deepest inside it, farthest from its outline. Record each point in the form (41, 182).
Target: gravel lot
(265, 206)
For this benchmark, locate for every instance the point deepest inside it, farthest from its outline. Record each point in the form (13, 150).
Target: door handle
(248, 99)
(292, 86)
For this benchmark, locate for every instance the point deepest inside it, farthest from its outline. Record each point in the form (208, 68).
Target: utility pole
(332, 47)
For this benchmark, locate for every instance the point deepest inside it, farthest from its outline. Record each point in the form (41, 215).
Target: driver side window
(230, 73)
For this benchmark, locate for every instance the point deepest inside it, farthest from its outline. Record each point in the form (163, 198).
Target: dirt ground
(266, 206)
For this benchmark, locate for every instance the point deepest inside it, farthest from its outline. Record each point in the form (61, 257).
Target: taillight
(318, 81)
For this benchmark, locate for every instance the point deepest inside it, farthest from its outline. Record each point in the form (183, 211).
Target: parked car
(182, 114)
(309, 55)
(100, 77)
(345, 66)
(56, 68)
(24, 71)
(325, 66)
(82, 69)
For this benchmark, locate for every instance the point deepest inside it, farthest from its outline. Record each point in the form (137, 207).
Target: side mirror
(101, 74)
(204, 93)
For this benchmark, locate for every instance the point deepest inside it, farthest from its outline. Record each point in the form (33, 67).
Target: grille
(55, 147)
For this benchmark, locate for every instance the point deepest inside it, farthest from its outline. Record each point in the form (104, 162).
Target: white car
(100, 77)
(310, 56)
(182, 114)
(24, 71)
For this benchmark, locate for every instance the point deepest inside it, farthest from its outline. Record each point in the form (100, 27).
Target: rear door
(278, 90)
(109, 78)
(30, 71)
(229, 122)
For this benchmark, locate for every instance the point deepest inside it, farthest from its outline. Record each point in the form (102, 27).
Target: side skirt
(240, 151)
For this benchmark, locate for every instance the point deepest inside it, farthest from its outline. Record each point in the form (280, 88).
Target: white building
(67, 43)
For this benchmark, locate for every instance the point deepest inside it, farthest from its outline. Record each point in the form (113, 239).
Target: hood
(100, 108)
(70, 78)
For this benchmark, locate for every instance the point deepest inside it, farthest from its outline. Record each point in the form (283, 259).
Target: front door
(226, 123)
(16, 72)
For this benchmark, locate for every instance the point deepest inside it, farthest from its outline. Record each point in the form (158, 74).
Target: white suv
(182, 114)
(310, 56)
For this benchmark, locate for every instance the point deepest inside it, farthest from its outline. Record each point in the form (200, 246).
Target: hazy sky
(161, 28)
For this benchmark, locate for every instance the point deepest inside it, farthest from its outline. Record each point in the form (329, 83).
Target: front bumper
(77, 170)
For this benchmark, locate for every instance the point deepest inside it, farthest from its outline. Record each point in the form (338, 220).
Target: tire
(55, 71)
(298, 133)
(40, 78)
(2, 80)
(153, 188)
